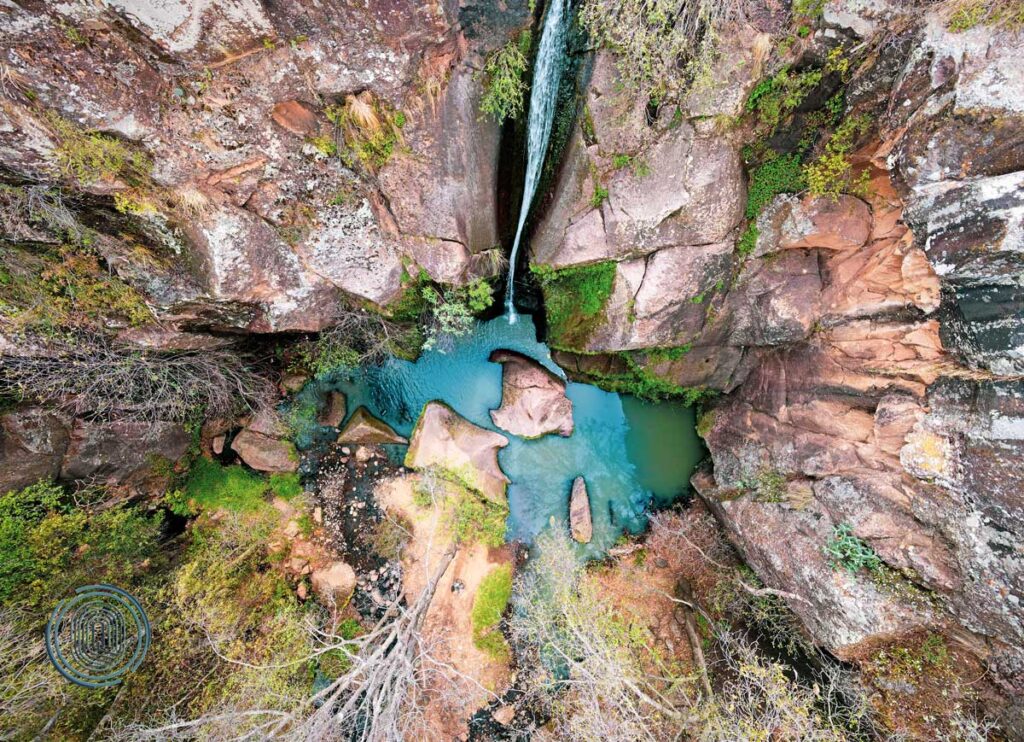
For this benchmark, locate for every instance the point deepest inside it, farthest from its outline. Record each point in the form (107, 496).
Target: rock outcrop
(363, 429)
(271, 223)
(533, 401)
(581, 525)
(445, 440)
(32, 446)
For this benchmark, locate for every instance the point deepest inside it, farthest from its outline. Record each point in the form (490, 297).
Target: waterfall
(547, 72)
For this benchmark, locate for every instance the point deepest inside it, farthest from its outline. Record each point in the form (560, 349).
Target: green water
(630, 452)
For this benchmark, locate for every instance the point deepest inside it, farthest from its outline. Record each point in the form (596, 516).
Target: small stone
(217, 444)
(301, 591)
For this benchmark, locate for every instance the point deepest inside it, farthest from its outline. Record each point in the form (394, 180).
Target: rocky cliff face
(868, 345)
(231, 103)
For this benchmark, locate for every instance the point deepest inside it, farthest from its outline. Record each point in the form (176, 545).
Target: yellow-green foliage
(89, 157)
(830, 175)
(133, 203)
(968, 14)
(504, 87)
(489, 605)
(469, 516)
(66, 286)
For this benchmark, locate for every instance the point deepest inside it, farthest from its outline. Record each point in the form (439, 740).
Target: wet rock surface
(533, 401)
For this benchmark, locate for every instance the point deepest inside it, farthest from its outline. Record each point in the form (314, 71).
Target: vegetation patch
(503, 73)
(371, 130)
(211, 486)
(285, 485)
(781, 174)
(489, 604)
(831, 174)
(574, 301)
(90, 156)
(968, 14)
(847, 551)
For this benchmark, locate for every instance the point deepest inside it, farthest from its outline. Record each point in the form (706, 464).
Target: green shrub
(47, 544)
(600, 195)
(574, 300)
(489, 605)
(783, 174)
(504, 87)
(620, 161)
(285, 485)
(212, 486)
(453, 311)
(849, 552)
(774, 98)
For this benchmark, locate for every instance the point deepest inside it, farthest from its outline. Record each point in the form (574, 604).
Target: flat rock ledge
(533, 401)
(581, 525)
(446, 440)
(364, 429)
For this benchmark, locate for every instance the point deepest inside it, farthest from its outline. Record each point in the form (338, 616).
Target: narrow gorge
(560, 370)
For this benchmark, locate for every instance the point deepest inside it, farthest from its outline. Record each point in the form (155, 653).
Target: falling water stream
(547, 73)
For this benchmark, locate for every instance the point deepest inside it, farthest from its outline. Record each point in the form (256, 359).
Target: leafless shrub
(24, 207)
(379, 698)
(27, 684)
(610, 684)
(92, 376)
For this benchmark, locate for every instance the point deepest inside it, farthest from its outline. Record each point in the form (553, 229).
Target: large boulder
(581, 524)
(363, 429)
(264, 452)
(32, 446)
(445, 440)
(121, 451)
(334, 584)
(533, 401)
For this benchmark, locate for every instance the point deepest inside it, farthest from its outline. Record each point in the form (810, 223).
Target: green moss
(285, 485)
(91, 156)
(620, 161)
(212, 486)
(599, 196)
(574, 301)
(748, 240)
(325, 145)
(705, 422)
(808, 8)
(489, 604)
(783, 174)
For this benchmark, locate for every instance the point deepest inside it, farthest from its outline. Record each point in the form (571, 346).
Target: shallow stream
(630, 452)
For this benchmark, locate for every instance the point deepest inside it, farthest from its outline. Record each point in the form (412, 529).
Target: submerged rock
(533, 401)
(580, 522)
(334, 413)
(446, 440)
(265, 453)
(364, 429)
